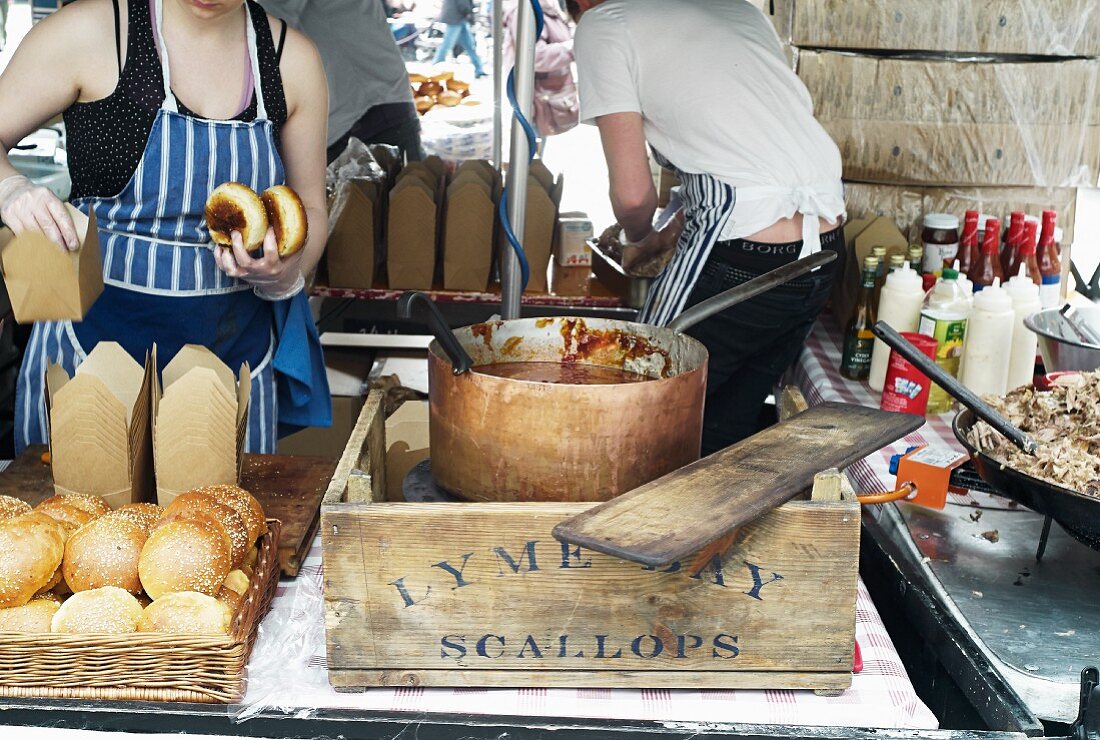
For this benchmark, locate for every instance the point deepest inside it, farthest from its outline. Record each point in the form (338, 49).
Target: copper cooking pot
(504, 439)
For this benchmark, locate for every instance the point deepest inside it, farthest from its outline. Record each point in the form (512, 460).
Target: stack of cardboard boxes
(949, 105)
(424, 226)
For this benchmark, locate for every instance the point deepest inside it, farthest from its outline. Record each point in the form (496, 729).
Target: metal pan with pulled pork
(1066, 424)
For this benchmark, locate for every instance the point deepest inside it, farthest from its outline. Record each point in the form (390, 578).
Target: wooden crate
(479, 594)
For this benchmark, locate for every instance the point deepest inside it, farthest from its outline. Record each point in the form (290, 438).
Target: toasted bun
(190, 554)
(192, 502)
(35, 616)
(415, 78)
(105, 552)
(94, 505)
(56, 508)
(106, 611)
(186, 613)
(236, 207)
(287, 216)
(244, 503)
(11, 507)
(145, 516)
(424, 103)
(237, 581)
(450, 98)
(31, 548)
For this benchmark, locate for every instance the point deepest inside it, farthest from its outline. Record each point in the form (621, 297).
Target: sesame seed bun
(108, 610)
(188, 503)
(191, 554)
(35, 616)
(31, 548)
(104, 552)
(11, 507)
(187, 613)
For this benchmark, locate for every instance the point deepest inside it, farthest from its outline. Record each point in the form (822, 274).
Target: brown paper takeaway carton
(412, 228)
(199, 423)
(100, 440)
(47, 283)
(354, 245)
(469, 227)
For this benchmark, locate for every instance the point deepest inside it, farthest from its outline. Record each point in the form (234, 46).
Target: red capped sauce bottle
(988, 265)
(1050, 265)
(1013, 234)
(1025, 255)
(969, 248)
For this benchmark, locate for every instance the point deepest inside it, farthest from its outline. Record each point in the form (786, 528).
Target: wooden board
(481, 595)
(682, 512)
(290, 489)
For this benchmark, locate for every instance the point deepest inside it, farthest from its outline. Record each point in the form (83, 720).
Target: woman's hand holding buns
(242, 222)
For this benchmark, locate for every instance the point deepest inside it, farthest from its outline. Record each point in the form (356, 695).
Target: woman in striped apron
(705, 83)
(165, 282)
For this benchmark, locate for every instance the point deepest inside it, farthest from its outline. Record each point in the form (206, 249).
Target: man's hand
(649, 256)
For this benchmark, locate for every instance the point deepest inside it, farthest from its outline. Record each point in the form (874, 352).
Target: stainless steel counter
(1037, 622)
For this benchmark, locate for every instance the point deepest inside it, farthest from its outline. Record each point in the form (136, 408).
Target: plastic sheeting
(1035, 27)
(946, 122)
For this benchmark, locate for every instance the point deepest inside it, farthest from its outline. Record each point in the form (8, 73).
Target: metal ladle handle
(460, 360)
(954, 388)
(751, 289)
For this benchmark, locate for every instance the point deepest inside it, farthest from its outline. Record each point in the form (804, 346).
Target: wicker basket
(143, 666)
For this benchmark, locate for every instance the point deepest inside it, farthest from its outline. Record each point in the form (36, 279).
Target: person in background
(163, 100)
(457, 15)
(369, 93)
(556, 109)
(706, 84)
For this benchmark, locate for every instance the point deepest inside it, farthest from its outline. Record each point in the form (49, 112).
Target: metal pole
(498, 83)
(518, 166)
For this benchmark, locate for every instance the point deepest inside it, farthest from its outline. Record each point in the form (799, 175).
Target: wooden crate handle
(360, 477)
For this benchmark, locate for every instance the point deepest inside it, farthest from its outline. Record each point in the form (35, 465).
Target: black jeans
(395, 124)
(753, 343)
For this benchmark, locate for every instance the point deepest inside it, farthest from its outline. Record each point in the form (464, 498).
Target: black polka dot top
(107, 137)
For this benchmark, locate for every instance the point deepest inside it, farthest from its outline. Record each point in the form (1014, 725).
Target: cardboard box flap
(482, 169)
(353, 248)
(435, 165)
(470, 179)
(542, 175)
(119, 372)
(46, 282)
(193, 356)
(244, 387)
(416, 183)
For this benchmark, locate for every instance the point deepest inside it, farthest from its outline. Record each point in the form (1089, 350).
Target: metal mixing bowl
(1059, 343)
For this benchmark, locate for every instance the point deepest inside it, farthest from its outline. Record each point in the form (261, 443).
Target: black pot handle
(440, 329)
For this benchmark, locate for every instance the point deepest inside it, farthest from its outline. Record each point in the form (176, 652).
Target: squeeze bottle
(988, 330)
(899, 306)
(943, 317)
(1025, 301)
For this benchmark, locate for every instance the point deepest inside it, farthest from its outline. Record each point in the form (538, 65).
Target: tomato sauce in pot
(568, 373)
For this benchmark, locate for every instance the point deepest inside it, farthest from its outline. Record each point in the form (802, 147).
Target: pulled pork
(1065, 423)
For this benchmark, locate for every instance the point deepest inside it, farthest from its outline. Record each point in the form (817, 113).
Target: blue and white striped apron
(708, 204)
(161, 283)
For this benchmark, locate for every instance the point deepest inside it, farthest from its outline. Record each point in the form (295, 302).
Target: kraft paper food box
(46, 282)
(100, 437)
(200, 418)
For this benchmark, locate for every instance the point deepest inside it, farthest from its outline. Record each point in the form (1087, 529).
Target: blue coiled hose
(529, 130)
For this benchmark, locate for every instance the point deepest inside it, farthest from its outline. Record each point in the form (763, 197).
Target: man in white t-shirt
(706, 85)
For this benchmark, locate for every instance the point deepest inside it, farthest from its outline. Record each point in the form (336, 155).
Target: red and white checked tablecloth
(817, 374)
(288, 672)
